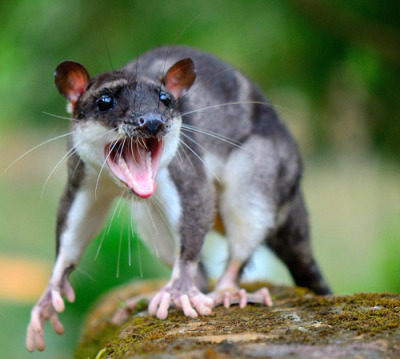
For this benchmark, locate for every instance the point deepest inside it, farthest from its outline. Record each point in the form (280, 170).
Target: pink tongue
(139, 173)
(134, 167)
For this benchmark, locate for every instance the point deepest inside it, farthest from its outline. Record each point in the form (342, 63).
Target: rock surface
(299, 325)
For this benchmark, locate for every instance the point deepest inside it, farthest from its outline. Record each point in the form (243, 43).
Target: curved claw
(34, 335)
(227, 300)
(36, 323)
(240, 296)
(153, 305)
(31, 338)
(162, 311)
(40, 341)
(50, 303)
(187, 308)
(69, 292)
(267, 297)
(57, 301)
(235, 298)
(192, 305)
(203, 304)
(56, 324)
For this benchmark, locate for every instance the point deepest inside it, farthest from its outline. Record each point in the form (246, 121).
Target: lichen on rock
(299, 325)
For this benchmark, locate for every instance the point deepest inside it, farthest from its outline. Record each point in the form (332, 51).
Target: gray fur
(273, 170)
(235, 158)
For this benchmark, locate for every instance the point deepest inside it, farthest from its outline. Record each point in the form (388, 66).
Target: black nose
(150, 123)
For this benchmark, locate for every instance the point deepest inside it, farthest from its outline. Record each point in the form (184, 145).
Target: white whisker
(100, 244)
(153, 224)
(120, 236)
(133, 154)
(130, 233)
(104, 163)
(123, 205)
(225, 104)
(228, 140)
(76, 167)
(179, 155)
(160, 208)
(36, 147)
(64, 158)
(187, 157)
(122, 148)
(195, 142)
(137, 237)
(107, 231)
(60, 117)
(86, 273)
(119, 250)
(114, 212)
(201, 160)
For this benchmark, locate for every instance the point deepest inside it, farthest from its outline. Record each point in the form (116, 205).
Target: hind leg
(246, 227)
(247, 210)
(292, 245)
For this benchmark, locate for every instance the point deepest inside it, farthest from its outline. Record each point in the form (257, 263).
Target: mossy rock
(299, 325)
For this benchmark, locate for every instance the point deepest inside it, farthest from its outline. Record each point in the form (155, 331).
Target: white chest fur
(157, 218)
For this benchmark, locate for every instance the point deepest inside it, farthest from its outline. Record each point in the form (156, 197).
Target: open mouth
(135, 163)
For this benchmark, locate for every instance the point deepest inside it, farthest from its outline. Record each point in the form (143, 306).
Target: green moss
(296, 317)
(146, 329)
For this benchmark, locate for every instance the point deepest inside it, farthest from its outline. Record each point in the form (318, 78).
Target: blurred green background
(332, 70)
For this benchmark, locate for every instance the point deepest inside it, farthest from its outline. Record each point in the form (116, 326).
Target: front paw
(46, 308)
(190, 300)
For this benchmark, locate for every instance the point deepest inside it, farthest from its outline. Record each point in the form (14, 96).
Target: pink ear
(71, 79)
(180, 77)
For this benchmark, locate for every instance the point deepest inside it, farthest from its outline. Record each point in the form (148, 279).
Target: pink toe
(187, 307)
(242, 298)
(209, 302)
(201, 308)
(30, 339)
(57, 301)
(162, 312)
(56, 324)
(40, 342)
(35, 319)
(227, 301)
(69, 292)
(154, 304)
(268, 300)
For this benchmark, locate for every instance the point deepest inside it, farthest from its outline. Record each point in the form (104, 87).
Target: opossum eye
(105, 102)
(165, 98)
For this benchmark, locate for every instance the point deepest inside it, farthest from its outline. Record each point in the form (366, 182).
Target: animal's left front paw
(232, 295)
(190, 300)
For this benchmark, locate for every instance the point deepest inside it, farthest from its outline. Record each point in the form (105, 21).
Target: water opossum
(186, 138)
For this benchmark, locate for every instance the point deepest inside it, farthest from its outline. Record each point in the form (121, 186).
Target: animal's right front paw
(46, 308)
(190, 300)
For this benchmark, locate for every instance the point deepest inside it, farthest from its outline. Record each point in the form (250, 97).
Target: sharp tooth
(124, 166)
(148, 163)
(122, 163)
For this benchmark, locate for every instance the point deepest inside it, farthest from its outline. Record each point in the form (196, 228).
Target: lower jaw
(143, 188)
(144, 194)
(124, 188)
